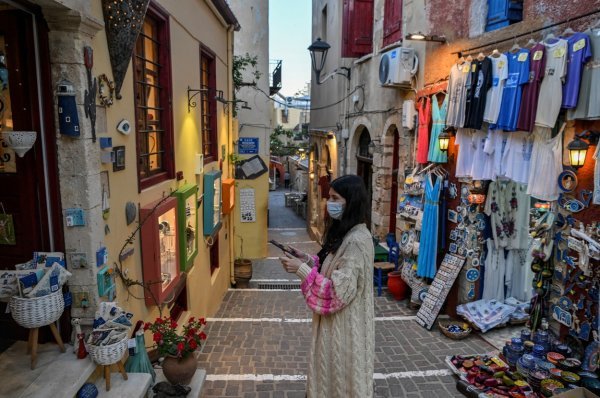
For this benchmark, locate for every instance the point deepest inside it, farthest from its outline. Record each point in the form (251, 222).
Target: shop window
(208, 82)
(392, 22)
(502, 13)
(357, 28)
(152, 90)
(214, 256)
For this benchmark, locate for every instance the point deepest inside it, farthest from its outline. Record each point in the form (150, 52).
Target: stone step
(195, 384)
(56, 374)
(136, 386)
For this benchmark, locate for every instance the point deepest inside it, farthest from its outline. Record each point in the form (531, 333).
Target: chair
(379, 276)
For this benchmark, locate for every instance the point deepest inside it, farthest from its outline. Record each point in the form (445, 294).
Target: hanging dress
(427, 259)
(438, 124)
(546, 165)
(424, 121)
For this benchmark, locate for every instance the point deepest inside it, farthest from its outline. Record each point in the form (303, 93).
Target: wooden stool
(378, 274)
(32, 342)
(106, 371)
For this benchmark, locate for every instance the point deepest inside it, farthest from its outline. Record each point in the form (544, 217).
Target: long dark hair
(352, 189)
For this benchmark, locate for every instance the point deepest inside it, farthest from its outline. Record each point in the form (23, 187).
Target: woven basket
(108, 354)
(38, 311)
(443, 324)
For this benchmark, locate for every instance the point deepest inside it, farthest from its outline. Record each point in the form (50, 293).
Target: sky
(289, 38)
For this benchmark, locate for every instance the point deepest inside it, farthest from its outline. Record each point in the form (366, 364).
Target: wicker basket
(38, 311)
(108, 354)
(443, 325)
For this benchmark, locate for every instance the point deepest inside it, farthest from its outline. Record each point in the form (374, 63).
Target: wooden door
(394, 198)
(27, 193)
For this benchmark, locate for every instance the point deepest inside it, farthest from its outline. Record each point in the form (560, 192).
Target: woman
(337, 285)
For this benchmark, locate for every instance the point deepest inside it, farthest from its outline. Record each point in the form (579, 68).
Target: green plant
(169, 342)
(239, 65)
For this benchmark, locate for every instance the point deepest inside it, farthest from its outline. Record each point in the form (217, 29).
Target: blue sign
(248, 146)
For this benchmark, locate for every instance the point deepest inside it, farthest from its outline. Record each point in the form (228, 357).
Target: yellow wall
(191, 23)
(254, 234)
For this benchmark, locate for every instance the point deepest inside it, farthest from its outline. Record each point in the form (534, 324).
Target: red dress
(424, 121)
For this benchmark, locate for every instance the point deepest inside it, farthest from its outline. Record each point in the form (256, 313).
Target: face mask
(335, 210)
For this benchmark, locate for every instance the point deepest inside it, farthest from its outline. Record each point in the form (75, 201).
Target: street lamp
(371, 148)
(318, 55)
(578, 148)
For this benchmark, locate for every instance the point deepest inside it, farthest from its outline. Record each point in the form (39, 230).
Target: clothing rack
(565, 21)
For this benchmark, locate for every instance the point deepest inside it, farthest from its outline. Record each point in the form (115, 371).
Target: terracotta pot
(242, 272)
(179, 370)
(396, 286)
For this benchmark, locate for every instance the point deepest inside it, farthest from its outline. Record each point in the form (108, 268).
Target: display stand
(106, 372)
(32, 342)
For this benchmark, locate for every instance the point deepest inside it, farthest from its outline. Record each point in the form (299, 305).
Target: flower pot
(396, 286)
(179, 370)
(242, 272)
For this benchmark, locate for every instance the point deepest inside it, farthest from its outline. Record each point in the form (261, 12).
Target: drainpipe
(229, 146)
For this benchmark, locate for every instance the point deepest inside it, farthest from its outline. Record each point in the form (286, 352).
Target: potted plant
(242, 268)
(177, 348)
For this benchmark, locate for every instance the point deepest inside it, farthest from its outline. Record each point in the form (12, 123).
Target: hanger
(549, 36)
(461, 59)
(595, 24)
(568, 32)
(469, 58)
(496, 53)
(480, 56)
(430, 165)
(516, 47)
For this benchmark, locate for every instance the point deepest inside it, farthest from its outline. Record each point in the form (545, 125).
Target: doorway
(29, 197)
(394, 196)
(364, 165)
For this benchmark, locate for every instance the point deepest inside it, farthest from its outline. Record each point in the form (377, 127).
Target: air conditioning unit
(397, 67)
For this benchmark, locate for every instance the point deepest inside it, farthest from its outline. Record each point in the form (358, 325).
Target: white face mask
(335, 210)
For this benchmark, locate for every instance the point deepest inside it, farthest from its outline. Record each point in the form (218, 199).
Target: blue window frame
(502, 13)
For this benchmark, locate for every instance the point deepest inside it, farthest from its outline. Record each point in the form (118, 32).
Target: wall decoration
(187, 213)
(123, 21)
(251, 168)
(75, 217)
(106, 283)
(89, 99)
(247, 205)
(106, 90)
(212, 204)
(7, 228)
(124, 127)
(130, 212)
(119, 163)
(68, 118)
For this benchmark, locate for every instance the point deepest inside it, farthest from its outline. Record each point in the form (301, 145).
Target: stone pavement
(258, 341)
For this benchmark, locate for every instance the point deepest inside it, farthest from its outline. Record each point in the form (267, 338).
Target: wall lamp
(226, 103)
(578, 147)
(423, 37)
(444, 140)
(318, 55)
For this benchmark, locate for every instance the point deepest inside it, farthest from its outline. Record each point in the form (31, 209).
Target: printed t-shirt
(531, 91)
(550, 97)
(580, 52)
(588, 105)
(494, 94)
(518, 74)
(457, 94)
(481, 81)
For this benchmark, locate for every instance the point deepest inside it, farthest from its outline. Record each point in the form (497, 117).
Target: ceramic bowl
(570, 364)
(570, 377)
(554, 357)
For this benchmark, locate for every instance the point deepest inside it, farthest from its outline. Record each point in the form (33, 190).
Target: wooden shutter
(357, 28)
(497, 14)
(392, 22)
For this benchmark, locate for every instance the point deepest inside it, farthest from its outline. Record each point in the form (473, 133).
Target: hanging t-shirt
(517, 156)
(481, 81)
(480, 158)
(550, 97)
(457, 94)
(494, 94)
(518, 75)
(588, 105)
(495, 146)
(531, 91)
(546, 165)
(580, 52)
(466, 150)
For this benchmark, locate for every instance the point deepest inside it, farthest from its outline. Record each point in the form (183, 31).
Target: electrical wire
(305, 108)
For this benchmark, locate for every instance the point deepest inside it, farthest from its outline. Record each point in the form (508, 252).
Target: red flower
(202, 321)
(158, 321)
(173, 324)
(147, 326)
(157, 337)
(180, 347)
(191, 332)
(202, 336)
(191, 319)
(193, 344)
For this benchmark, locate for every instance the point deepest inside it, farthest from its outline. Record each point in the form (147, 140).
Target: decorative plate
(472, 275)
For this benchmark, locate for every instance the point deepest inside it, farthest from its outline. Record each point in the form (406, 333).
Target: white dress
(495, 146)
(546, 165)
(466, 151)
(517, 156)
(495, 268)
(518, 264)
(480, 158)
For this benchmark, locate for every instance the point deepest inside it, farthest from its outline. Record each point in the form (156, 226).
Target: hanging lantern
(577, 152)
(444, 141)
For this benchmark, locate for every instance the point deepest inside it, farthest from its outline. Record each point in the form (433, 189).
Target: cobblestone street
(258, 342)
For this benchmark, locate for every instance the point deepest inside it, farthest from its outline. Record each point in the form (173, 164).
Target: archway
(364, 163)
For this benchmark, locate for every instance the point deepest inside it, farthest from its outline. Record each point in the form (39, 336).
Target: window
(357, 28)
(208, 82)
(284, 116)
(152, 90)
(214, 256)
(502, 13)
(392, 22)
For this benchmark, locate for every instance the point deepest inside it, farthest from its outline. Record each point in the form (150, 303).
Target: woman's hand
(300, 254)
(290, 263)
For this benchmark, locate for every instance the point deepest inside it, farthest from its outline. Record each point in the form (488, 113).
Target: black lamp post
(318, 55)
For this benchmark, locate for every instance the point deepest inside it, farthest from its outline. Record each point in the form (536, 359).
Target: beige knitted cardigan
(343, 343)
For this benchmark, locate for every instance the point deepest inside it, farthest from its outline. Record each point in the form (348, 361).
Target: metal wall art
(119, 163)
(68, 118)
(123, 20)
(106, 90)
(89, 100)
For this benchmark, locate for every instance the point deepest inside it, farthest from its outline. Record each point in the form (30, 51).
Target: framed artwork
(212, 202)
(119, 163)
(187, 214)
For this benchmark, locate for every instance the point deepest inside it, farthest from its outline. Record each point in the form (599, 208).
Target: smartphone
(285, 248)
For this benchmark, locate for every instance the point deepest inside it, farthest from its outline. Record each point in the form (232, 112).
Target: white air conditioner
(397, 67)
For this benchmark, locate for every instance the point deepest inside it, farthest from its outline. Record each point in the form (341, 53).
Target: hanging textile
(494, 95)
(551, 88)
(428, 247)
(495, 268)
(423, 131)
(588, 105)
(457, 93)
(546, 164)
(481, 81)
(531, 91)
(518, 75)
(439, 117)
(580, 52)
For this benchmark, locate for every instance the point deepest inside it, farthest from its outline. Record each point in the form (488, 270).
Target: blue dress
(427, 259)
(438, 123)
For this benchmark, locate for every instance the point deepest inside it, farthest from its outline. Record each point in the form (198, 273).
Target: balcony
(274, 76)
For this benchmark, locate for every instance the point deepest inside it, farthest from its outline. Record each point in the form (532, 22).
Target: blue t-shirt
(518, 75)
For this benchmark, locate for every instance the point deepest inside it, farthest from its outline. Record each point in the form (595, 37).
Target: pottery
(19, 141)
(179, 370)
(242, 272)
(396, 285)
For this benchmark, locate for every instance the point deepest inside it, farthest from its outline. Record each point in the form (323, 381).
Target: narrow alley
(258, 342)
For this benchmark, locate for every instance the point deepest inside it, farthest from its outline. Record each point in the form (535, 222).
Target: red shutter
(392, 22)
(357, 28)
